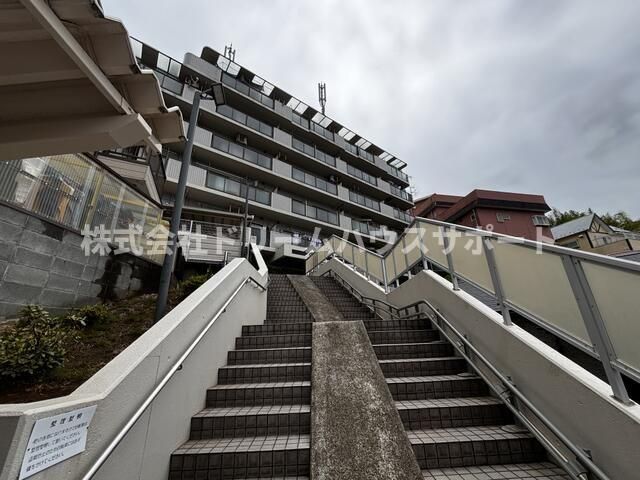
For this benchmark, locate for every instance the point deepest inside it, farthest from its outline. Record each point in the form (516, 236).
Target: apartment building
(515, 214)
(301, 170)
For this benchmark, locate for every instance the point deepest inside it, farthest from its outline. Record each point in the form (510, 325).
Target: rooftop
(573, 227)
(300, 107)
(481, 198)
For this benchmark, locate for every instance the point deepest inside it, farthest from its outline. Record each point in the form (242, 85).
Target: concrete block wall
(44, 264)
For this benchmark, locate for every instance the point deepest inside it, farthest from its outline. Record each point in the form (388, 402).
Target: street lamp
(204, 91)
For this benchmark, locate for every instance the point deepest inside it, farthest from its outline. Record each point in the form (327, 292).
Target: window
(502, 217)
(573, 244)
(313, 181)
(297, 174)
(303, 208)
(541, 221)
(364, 200)
(241, 151)
(358, 226)
(401, 215)
(74, 191)
(362, 175)
(245, 119)
(314, 152)
(221, 183)
(298, 207)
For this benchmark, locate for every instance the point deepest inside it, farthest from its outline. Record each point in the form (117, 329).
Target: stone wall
(42, 263)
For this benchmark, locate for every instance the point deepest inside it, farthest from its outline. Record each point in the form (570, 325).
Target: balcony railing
(364, 200)
(241, 151)
(245, 119)
(247, 90)
(400, 193)
(314, 152)
(306, 209)
(313, 180)
(402, 215)
(362, 175)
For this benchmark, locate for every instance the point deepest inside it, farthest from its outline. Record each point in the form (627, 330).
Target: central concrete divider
(356, 431)
(320, 307)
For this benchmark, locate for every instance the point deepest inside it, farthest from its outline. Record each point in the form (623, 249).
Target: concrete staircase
(456, 428)
(256, 421)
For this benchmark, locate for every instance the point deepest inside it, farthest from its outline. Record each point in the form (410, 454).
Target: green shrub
(87, 316)
(33, 346)
(190, 285)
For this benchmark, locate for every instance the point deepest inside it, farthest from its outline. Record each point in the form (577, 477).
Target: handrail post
(384, 275)
(595, 326)
(366, 264)
(452, 270)
(423, 250)
(495, 279)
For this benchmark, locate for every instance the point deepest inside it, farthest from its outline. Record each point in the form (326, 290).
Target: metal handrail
(165, 379)
(458, 345)
(363, 298)
(599, 343)
(579, 453)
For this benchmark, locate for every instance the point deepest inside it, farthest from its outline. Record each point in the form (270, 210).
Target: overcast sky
(517, 95)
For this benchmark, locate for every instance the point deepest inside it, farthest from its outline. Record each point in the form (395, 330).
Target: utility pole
(245, 251)
(216, 93)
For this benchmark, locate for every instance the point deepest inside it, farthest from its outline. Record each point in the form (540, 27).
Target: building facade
(301, 170)
(592, 234)
(516, 214)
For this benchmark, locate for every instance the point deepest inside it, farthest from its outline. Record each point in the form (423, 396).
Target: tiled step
(264, 373)
(402, 336)
(251, 421)
(248, 457)
(257, 394)
(277, 329)
(287, 309)
(453, 412)
(269, 355)
(417, 367)
(413, 350)
(378, 324)
(289, 318)
(515, 471)
(485, 445)
(273, 341)
(436, 386)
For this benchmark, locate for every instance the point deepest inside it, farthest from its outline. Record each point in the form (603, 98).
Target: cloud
(539, 97)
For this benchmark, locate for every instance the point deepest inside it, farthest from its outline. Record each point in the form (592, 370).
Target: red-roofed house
(517, 214)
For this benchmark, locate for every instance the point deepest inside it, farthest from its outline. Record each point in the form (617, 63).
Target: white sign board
(55, 439)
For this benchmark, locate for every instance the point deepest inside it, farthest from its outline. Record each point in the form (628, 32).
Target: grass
(92, 349)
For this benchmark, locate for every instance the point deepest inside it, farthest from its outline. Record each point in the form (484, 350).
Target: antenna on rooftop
(322, 95)
(230, 52)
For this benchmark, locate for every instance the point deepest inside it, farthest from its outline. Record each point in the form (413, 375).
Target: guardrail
(505, 391)
(591, 301)
(177, 365)
(143, 397)
(210, 242)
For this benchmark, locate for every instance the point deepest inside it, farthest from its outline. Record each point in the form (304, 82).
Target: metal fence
(591, 301)
(77, 193)
(210, 242)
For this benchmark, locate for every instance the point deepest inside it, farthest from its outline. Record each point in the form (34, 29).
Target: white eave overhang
(69, 83)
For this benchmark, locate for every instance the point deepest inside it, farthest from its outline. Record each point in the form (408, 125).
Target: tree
(557, 217)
